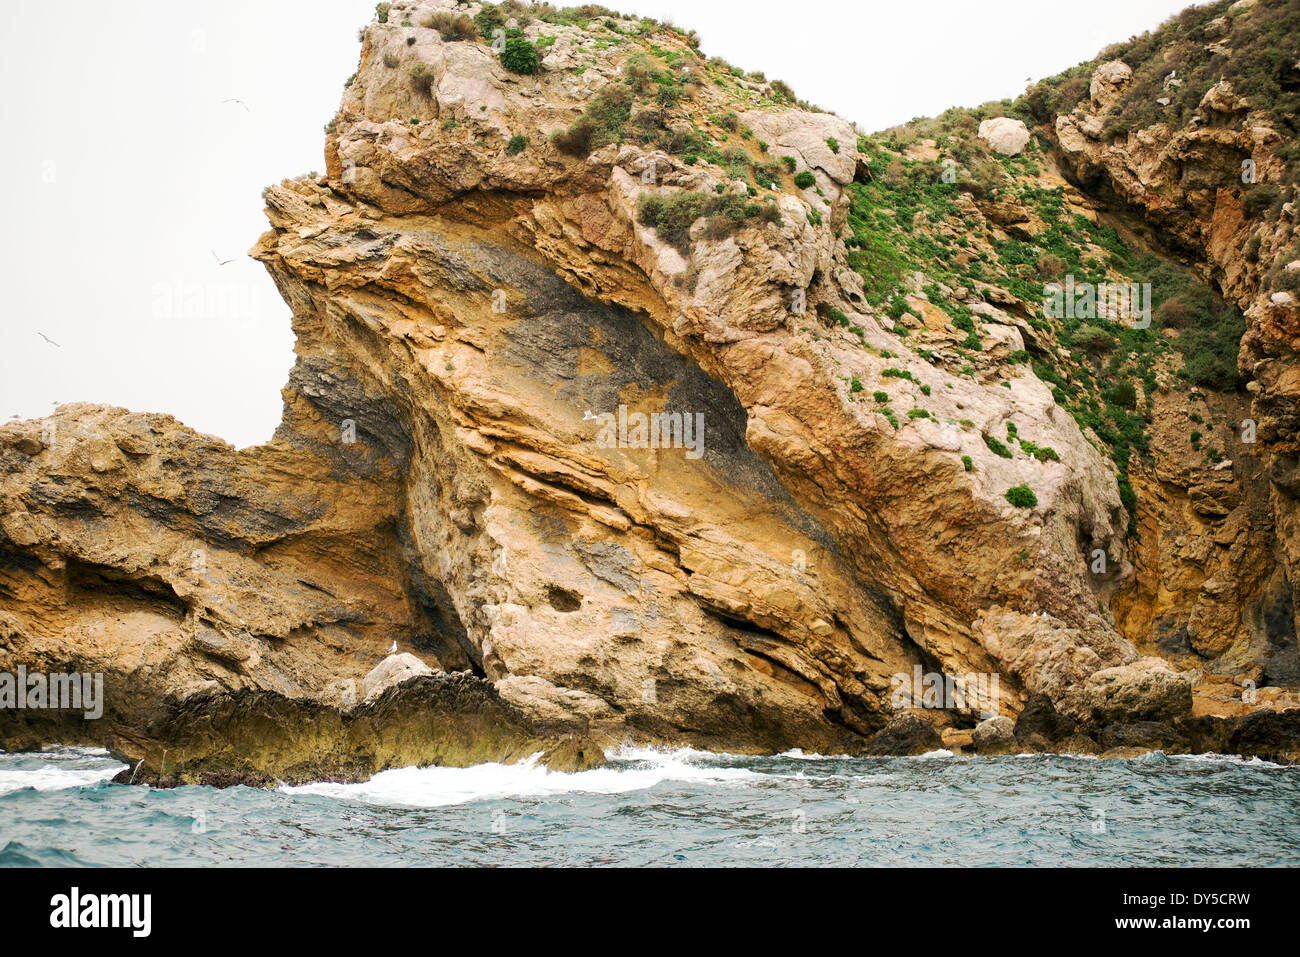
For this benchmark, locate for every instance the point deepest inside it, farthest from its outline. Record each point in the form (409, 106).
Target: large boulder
(906, 734)
(1147, 690)
(995, 736)
(393, 670)
(1006, 135)
(1109, 82)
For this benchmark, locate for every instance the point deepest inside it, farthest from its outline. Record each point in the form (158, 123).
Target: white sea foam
(632, 770)
(59, 769)
(799, 755)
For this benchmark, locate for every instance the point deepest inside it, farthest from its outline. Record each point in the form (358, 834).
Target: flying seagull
(220, 261)
(49, 340)
(239, 101)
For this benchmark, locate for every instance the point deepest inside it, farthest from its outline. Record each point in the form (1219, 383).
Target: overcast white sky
(123, 171)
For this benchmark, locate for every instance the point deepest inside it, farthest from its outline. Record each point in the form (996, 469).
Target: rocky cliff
(623, 403)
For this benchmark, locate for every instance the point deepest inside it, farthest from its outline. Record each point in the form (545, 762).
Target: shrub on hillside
(601, 123)
(452, 27)
(519, 56)
(1022, 496)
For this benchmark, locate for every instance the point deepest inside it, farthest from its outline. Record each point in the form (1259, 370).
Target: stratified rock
(905, 735)
(1141, 735)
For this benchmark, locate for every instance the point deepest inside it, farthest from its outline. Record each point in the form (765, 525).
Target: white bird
(48, 339)
(220, 261)
(393, 650)
(590, 416)
(239, 101)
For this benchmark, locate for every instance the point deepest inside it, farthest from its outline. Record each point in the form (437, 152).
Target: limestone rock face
(468, 463)
(1218, 548)
(1006, 135)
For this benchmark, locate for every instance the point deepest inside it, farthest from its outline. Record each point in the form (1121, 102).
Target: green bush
(1042, 453)
(790, 164)
(881, 397)
(1124, 394)
(489, 19)
(601, 123)
(673, 215)
(452, 27)
(1022, 496)
(381, 11)
(422, 78)
(855, 385)
(805, 179)
(996, 447)
(519, 56)
(1259, 198)
(1093, 338)
(833, 143)
(517, 144)
(968, 463)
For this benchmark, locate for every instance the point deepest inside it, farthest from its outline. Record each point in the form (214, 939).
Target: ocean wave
(56, 769)
(633, 769)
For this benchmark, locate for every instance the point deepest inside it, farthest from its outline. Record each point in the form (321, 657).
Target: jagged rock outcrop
(486, 324)
(1218, 547)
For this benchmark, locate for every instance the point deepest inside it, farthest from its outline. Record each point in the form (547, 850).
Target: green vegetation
(892, 373)
(422, 78)
(805, 179)
(601, 123)
(519, 56)
(968, 463)
(1041, 453)
(1021, 496)
(518, 143)
(381, 11)
(996, 447)
(452, 27)
(672, 215)
(1255, 53)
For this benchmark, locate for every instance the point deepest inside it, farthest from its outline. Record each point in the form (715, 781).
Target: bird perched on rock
(393, 650)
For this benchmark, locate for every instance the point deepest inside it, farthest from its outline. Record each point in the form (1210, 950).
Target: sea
(672, 808)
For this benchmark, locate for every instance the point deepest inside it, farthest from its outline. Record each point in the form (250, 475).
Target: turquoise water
(679, 808)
